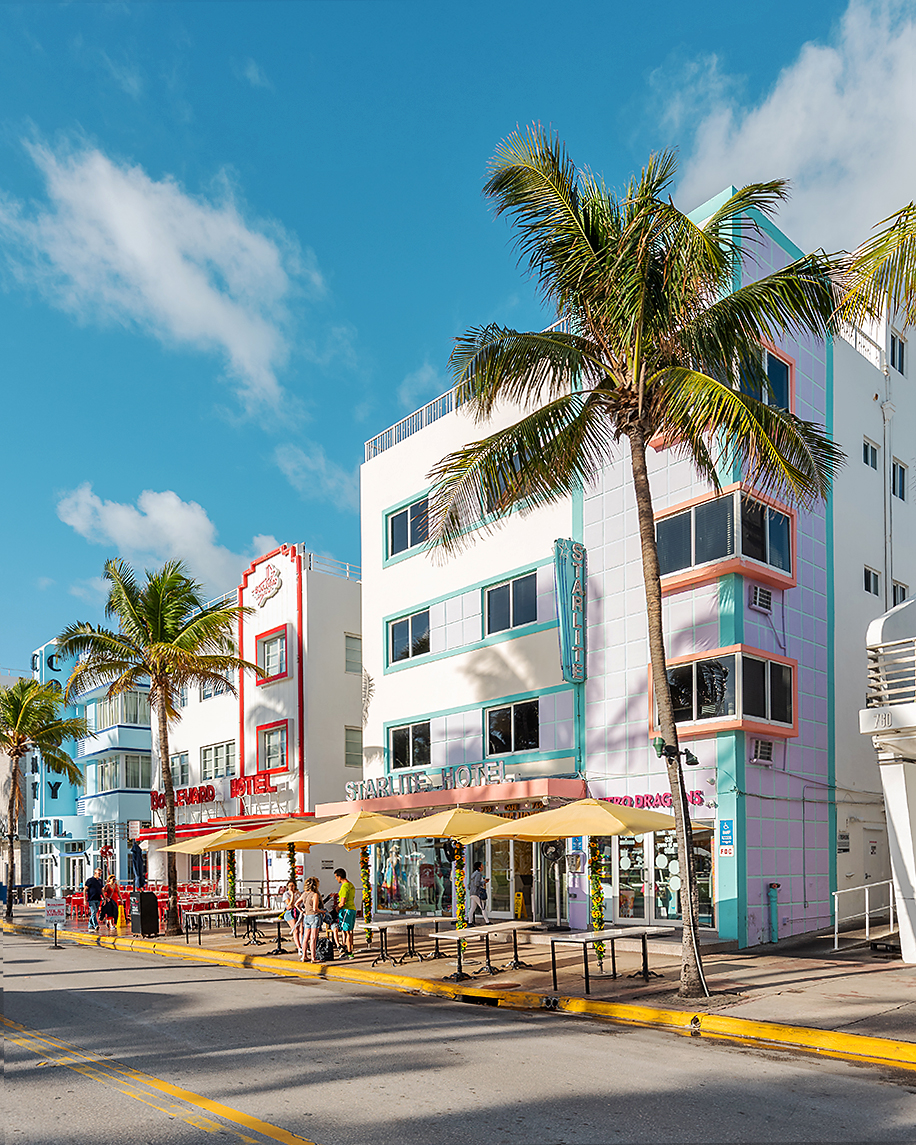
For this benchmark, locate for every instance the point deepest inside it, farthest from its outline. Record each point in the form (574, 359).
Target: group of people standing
(307, 911)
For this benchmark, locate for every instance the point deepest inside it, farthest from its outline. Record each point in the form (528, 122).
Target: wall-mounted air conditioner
(760, 598)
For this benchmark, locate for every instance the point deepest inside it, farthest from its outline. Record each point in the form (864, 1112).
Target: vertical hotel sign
(570, 573)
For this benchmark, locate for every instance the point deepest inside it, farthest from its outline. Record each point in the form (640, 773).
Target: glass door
(500, 886)
(631, 877)
(523, 879)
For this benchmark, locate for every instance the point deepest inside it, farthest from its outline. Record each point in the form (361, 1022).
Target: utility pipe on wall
(773, 904)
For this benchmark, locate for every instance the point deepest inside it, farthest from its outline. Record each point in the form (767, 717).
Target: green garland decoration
(230, 876)
(460, 889)
(597, 893)
(291, 854)
(367, 891)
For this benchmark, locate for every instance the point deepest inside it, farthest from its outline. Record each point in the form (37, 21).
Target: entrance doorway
(642, 878)
(509, 865)
(876, 864)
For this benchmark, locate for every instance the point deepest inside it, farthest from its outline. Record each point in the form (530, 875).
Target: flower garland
(367, 891)
(460, 890)
(291, 854)
(230, 876)
(597, 893)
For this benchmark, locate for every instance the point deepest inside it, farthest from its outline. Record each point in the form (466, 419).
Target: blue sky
(238, 239)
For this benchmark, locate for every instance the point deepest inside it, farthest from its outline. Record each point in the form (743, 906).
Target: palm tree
(654, 336)
(30, 720)
(882, 272)
(168, 636)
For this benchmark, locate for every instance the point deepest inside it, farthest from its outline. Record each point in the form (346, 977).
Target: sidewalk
(848, 992)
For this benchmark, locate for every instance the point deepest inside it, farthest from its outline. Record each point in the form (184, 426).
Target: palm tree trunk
(693, 984)
(172, 925)
(11, 824)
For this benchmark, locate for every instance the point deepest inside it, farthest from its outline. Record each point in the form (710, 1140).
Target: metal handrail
(867, 913)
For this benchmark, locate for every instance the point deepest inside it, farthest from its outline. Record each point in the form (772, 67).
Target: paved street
(123, 1047)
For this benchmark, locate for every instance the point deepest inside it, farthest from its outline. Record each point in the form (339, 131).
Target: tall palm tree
(881, 274)
(30, 720)
(655, 335)
(168, 636)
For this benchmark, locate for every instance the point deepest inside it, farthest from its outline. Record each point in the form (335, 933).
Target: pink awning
(548, 790)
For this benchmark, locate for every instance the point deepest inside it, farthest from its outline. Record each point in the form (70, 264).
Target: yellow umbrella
(457, 823)
(210, 842)
(261, 838)
(583, 817)
(348, 829)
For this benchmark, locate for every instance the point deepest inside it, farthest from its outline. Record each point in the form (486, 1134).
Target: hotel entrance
(509, 865)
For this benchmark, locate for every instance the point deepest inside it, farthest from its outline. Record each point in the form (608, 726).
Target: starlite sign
(432, 779)
(268, 587)
(570, 575)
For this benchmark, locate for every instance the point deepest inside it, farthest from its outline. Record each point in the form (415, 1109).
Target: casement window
(271, 654)
(512, 604)
(137, 771)
(728, 526)
(901, 593)
(217, 760)
(353, 747)
(898, 353)
(353, 654)
(736, 684)
(870, 453)
(410, 745)
(515, 727)
(183, 696)
(872, 582)
(179, 769)
(408, 637)
(108, 774)
(408, 528)
(272, 745)
(127, 708)
(898, 480)
(776, 371)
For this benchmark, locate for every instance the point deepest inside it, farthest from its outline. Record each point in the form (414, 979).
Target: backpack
(324, 949)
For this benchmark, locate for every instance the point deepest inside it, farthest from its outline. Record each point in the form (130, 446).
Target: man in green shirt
(346, 911)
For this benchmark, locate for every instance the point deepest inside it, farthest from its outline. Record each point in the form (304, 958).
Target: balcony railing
(866, 346)
(891, 674)
(330, 566)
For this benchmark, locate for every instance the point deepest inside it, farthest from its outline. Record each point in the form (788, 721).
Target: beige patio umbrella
(209, 842)
(582, 817)
(261, 837)
(348, 829)
(459, 823)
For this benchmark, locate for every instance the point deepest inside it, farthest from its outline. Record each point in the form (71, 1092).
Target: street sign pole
(55, 913)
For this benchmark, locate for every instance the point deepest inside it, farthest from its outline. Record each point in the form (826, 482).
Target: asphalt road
(110, 1047)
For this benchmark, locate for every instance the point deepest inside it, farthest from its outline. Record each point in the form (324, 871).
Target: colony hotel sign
(435, 779)
(268, 587)
(570, 575)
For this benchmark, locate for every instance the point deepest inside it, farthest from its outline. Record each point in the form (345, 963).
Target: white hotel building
(765, 610)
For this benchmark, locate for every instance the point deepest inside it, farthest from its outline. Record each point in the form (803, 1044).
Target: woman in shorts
(310, 906)
(291, 913)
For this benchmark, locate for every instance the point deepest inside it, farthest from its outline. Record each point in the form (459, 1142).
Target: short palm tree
(30, 720)
(652, 341)
(168, 636)
(882, 272)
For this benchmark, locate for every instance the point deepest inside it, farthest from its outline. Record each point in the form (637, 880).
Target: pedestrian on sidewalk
(292, 914)
(477, 892)
(346, 912)
(92, 896)
(310, 905)
(111, 902)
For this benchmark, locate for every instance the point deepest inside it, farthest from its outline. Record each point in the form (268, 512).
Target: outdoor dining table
(407, 924)
(485, 932)
(588, 938)
(253, 935)
(189, 918)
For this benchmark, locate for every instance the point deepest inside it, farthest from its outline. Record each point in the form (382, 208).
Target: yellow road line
(825, 1043)
(134, 1083)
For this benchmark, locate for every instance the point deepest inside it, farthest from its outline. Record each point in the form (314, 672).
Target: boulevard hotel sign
(430, 779)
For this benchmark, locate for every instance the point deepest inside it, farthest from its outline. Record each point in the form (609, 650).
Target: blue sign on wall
(726, 832)
(570, 574)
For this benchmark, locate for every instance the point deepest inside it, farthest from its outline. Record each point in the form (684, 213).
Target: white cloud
(316, 477)
(158, 528)
(839, 122)
(93, 590)
(252, 72)
(421, 386)
(44, 582)
(113, 244)
(128, 78)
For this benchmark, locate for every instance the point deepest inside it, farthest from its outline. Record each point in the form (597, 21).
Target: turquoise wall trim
(831, 644)
(496, 638)
(518, 757)
(731, 871)
(731, 610)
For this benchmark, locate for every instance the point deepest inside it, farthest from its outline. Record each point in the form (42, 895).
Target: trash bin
(144, 914)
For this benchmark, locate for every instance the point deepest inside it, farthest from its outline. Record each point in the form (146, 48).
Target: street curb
(826, 1043)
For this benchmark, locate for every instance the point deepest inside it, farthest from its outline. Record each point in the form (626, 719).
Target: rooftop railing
(866, 346)
(891, 674)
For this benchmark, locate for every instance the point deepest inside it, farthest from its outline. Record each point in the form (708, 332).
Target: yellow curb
(828, 1043)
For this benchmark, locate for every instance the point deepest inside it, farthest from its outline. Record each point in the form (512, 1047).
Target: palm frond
(882, 273)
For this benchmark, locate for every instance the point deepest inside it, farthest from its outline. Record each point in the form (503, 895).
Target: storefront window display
(668, 874)
(414, 874)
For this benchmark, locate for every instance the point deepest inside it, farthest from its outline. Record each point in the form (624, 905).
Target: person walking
(310, 905)
(477, 893)
(92, 896)
(346, 912)
(111, 900)
(292, 914)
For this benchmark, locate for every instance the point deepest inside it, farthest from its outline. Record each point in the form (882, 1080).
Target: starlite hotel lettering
(435, 779)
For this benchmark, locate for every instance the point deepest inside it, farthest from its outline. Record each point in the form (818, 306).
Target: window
(767, 690)
(898, 353)
(180, 773)
(183, 696)
(108, 774)
(271, 653)
(217, 760)
(409, 637)
(353, 747)
(272, 748)
(207, 867)
(513, 604)
(513, 728)
(410, 746)
(776, 372)
(212, 688)
(870, 454)
(409, 527)
(707, 532)
(353, 654)
(898, 480)
(872, 582)
(901, 593)
(708, 689)
(137, 771)
(128, 708)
